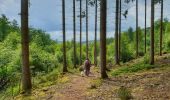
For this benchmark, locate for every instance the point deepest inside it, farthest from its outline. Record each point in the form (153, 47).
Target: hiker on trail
(87, 66)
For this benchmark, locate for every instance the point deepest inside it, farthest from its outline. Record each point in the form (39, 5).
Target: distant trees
(64, 43)
(103, 14)
(130, 34)
(26, 77)
(4, 27)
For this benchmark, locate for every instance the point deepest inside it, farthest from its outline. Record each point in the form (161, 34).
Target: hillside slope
(152, 84)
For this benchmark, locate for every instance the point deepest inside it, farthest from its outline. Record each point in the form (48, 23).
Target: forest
(134, 64)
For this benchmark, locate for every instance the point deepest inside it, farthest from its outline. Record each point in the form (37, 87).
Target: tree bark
(161, 28)
(145, 22)
(152, 34)
(95, 38)
(87, 29)
(103, 15)
(116, 32)
(64, 44)
(74, 30)
(137, 40)
(120, 24)
(26, 77)
(80, 33)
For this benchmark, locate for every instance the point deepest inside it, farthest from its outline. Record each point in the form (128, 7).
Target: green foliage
(7, 55)
(4, 27)
(43, 79)
(167, 27)
(131, 69)
(12, 40)
(46, 55)
(41, 60)
(95, 83)
(146, 59)
(130, 34)
(110, 53)
(71, 55)
(43, 53)
(168, 44)
(126, 50)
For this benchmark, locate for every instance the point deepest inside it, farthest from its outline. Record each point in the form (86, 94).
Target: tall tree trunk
(161, 28)
(80, 32)
(120, 24)
(116, 32)
(26, 77)
(95, 37)
(74, 30)
(137, 40)
(152, 34)
(103, 16)
(64, 44)
(145, 22)
(87, 29)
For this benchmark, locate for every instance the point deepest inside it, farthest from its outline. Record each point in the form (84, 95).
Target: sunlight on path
(77, 88)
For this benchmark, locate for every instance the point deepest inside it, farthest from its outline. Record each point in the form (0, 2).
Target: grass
(124, 94)
(95, 83)
(140, 65)
(43, 80)
(131, 69)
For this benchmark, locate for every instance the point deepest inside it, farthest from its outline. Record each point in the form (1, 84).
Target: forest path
(72, 86)
(77, 88)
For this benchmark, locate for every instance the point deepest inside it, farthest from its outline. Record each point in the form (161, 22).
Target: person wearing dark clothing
(87, 66)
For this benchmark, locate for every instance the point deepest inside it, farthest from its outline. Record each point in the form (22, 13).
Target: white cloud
(132, 13)
(10, 8)
(57, 35)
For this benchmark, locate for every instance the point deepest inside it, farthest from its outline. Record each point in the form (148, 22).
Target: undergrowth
(124, 93)
(132, 69)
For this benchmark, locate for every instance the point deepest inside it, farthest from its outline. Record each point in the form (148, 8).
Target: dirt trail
(74, 89)
(77, 87)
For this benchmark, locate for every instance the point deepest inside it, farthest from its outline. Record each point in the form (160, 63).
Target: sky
(46, 15)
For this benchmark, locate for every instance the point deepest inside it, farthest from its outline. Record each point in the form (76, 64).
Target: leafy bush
(42, 79)
(146, 59)
(126, 50)
(141, 53)
(12, 41)
(7, 56)
(168, 44)
(41, 60)
(126, 56)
